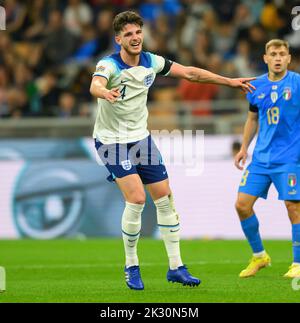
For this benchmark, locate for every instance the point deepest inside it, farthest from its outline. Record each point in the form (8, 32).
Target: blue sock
(250, 227)
(296, 241)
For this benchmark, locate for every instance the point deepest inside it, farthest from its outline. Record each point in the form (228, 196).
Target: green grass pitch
(92, 271)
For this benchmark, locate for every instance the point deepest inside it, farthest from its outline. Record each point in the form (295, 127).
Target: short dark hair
(124, 18)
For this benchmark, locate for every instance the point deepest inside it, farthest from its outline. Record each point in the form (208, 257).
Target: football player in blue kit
(274, 108)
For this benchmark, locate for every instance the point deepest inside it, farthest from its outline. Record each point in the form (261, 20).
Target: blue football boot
(182, 276)
(133, 278)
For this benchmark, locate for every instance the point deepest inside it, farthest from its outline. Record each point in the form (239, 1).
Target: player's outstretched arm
(250, 129)
(195, 74)
(98, 89)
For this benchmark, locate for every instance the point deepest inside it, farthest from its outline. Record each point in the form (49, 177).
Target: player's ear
(265, 59)
(118, 39)
(289, 58)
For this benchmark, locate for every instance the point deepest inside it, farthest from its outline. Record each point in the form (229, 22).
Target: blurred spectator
(202, 48)
(88, 47)
(48, 92)
(85, 110)
(4, 112)
(15, 18)
(37, 16)
(4, 79)
(104, 32)
(257, 41)
(77, 15)
(225, 9)
(255, 7)
(81, 85)
(270, 18)
(150, 10)
(17, 103)
(243, 20)
(60, 42)
(224, 39)
(67, 106)
(194, 15)
(241, 59)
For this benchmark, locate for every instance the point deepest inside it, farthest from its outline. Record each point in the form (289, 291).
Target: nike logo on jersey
(261, 96)
(124, 81)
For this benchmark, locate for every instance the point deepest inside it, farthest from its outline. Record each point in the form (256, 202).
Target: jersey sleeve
(104, 68)
(253, 108)
(160, 64)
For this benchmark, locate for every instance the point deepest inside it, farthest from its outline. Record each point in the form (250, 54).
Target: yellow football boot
(294, 271)
(255, 264)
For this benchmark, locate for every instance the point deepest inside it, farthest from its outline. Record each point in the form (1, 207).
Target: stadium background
(51, 185)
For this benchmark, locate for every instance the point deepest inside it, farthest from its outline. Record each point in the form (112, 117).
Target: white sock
(259, 254)
(168, 222)
(131, 227)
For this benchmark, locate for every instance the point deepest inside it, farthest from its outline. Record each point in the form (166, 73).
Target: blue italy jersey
(278, 107)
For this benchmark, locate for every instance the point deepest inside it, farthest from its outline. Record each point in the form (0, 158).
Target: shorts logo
(126, 164)
(287, 93)
(148, 80)
(292, 180)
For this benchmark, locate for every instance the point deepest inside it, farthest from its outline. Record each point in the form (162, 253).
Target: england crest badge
(126, 164)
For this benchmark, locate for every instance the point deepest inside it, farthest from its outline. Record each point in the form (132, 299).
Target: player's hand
(243, 83)
(112, 95)
(240, 159)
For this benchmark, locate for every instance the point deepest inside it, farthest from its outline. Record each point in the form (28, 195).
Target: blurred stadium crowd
(49, 49)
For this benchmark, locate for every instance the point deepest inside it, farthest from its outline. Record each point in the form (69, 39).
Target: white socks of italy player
(168, 222)
(131, 227)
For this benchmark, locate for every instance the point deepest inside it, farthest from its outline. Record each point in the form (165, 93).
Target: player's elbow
(190, 74)
(253, 119)
(92, 89)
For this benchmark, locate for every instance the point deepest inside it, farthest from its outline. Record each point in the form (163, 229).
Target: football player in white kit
(121, 83)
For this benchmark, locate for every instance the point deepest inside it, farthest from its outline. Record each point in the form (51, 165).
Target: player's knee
(293, 211)
(136, 197)
(291, 207)
(243, 208)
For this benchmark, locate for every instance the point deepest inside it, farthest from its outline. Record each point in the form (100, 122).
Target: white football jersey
(126, 120)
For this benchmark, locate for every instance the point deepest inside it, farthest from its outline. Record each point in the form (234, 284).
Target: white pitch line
(111, 265)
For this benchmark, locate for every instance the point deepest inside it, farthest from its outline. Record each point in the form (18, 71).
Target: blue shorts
(256, 181)
(140, 157)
